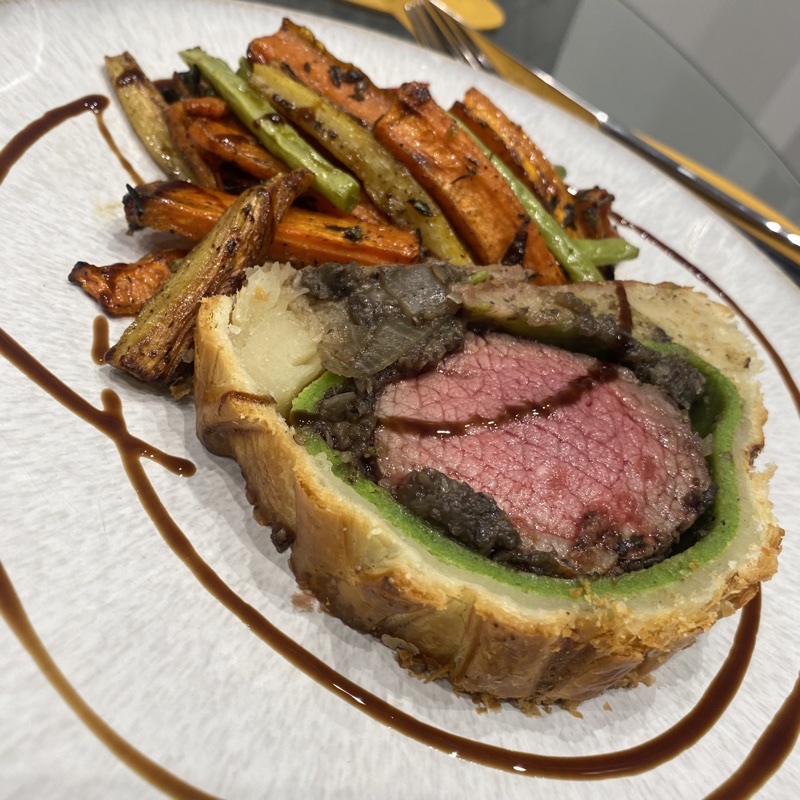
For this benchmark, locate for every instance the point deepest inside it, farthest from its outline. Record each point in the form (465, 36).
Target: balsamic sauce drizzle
(638, 759)
(769, 752)
(100, 342)
(625, 314)
(766, 757)
(12, 610)
(28, 136)
(694, 270)
(569, 395)
(108, 421)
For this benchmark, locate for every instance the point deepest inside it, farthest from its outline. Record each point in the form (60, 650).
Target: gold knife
(750, 214)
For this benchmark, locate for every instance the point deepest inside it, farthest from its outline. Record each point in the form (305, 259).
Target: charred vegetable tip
(280, 138)
(579, 257)
(558, 241)
(602, 252)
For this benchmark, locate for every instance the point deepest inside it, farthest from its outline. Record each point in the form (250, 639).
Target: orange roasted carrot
(512, 145)
(298, 49)
(364, 210)
(213, 107)
(302, 237)
(584, 215)
(479, 203)
(230, 141)
(178, 125)
(593, 213)
(226, 139)
(306, 237)
(176, 207)
(122, 289)
(537, 258)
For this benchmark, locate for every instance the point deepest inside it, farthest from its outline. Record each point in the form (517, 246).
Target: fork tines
(439, 30)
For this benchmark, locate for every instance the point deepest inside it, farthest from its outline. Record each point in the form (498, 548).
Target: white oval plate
(154, 654)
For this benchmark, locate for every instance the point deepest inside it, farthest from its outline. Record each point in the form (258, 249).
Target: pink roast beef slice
(587, 462)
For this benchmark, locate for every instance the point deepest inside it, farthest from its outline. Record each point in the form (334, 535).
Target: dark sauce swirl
(766, 757)
(570, 395)
(28, 136)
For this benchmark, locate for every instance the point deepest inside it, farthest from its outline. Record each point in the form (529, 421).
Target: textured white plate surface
(146, 646)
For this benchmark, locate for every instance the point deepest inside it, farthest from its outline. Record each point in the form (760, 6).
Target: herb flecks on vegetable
(280, 138)
(579, 257)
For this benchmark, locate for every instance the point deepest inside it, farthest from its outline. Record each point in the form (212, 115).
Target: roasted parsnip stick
(157, 346)
(147, 112)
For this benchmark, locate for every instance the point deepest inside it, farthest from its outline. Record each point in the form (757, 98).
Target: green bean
(558, 241)
(602, 252)
(579, 257)
(280, 138)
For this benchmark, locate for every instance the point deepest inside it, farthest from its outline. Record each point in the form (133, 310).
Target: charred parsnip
(157, 346)
(147, 112)
(387, 182)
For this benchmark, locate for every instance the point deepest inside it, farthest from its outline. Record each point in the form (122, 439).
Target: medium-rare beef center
(546, 460)
(591, 467)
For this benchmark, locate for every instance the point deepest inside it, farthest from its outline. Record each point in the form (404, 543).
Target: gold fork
(437, 30)
(480, 15)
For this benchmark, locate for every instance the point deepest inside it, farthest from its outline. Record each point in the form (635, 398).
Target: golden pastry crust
(488, 637)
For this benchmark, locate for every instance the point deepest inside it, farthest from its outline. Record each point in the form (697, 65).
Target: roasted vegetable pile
(298, 157)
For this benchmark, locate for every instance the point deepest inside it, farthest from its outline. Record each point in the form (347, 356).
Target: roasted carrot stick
(211, 107)
(302, 237)
(306, 237)
(593, 213)
(584, 215)
(178, 124)
(540, 260)
(176, 207)
(225, 138)
(230, 141)
(449, 164)
(122, 289)
(299, 50)
(511, 144)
